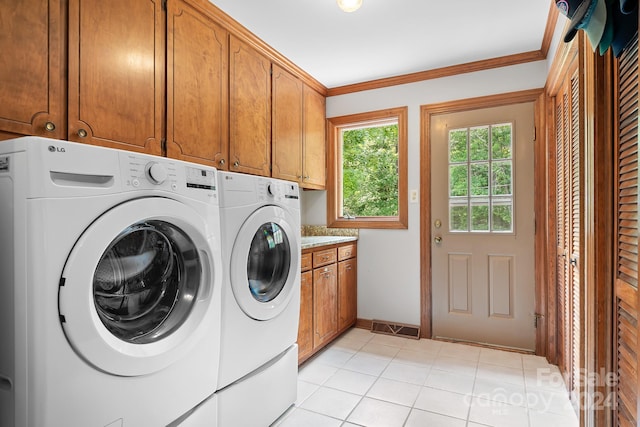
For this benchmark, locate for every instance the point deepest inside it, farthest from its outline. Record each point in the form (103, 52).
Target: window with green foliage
(481, 179)
(367, 173)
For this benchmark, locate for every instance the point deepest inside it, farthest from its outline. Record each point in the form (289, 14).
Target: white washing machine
(110, 279)
(260, 220)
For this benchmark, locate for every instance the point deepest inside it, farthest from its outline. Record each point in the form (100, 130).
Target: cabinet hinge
(163, 146)
(164, 5)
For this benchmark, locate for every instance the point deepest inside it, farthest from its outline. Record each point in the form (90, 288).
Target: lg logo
(54, 149)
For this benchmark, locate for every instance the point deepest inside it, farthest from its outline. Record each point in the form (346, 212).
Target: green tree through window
(370, 171)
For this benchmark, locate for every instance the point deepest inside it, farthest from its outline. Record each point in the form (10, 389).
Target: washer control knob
(270, 190)
(156, 172)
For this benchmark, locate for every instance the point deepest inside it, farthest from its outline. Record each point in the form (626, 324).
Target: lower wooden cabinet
(325, 304)
(328, 296)
(305, 329)
(347, 293)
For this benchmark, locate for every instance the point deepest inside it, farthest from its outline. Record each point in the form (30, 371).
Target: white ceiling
(386, 38)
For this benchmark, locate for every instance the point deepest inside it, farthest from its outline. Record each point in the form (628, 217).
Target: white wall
(389, 260)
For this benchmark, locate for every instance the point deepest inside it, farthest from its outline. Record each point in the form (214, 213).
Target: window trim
(334, 126)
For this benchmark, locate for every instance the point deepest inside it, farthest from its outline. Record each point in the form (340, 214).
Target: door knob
(437, 239)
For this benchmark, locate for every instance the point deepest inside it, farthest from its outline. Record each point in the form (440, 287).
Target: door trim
(426, 113)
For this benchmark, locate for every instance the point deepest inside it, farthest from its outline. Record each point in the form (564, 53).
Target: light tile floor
(373, 380)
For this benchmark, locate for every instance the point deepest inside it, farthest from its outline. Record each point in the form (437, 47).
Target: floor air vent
(399, 329)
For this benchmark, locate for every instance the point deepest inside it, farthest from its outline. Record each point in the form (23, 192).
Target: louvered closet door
(569, 229)
(626, 285)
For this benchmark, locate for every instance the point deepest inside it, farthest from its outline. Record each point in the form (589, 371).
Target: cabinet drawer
(305, 262)
(320, 258)
(346, 252)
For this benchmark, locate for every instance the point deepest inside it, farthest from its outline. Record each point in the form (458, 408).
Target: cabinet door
(249, 109)
(314, 147)
(31, 68)
(287, 126)
(305, 328)
(347, 293)
(197, 86)
(325, 304)
(116, 73)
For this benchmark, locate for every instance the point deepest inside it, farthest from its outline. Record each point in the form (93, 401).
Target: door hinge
(536, 316)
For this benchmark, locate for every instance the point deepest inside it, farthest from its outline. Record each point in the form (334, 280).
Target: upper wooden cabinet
(298, 131)
(249, 109)
(116, 73)
(287, 126)
(185, 81)
(31, 68)
(197, 86)
(314, 144)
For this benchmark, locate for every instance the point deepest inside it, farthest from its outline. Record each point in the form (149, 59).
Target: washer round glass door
(136, 286)
(145, 283)
(265, 262)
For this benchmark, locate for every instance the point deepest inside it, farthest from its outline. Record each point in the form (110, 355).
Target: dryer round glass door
(136, 289)
(269, 262)
(265, 263)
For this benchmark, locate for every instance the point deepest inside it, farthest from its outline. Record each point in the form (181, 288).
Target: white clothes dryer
(260, 221)
(110, 286)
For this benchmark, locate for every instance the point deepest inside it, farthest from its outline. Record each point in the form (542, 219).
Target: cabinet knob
(49, 126)
(221, 162)
(306, 177)
(82, 133)
(236, 164)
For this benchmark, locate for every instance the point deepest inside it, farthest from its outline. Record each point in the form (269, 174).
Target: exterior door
(482, 215)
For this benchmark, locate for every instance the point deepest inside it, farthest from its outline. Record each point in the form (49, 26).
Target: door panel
(483, 282)
(249, 109)
(116, 73)
(197, 87)
(33, 51)
(625, 333)
(570, 244)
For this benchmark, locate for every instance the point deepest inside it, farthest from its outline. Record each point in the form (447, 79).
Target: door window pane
(480, 215)
(458, 146)
(501, 217)
(501, 141)
(459, 217)
(501, 178)
(479, 143)
(481, 179)
(458, 184)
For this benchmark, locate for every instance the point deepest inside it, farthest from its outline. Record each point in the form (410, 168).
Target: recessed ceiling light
(349, 5)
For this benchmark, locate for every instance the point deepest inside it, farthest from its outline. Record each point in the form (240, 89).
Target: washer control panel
(148, 172)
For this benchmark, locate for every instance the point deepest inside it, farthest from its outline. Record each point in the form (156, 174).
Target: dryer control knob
(156, 172)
